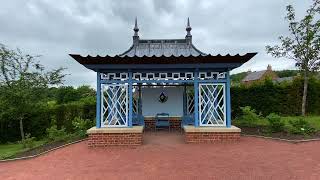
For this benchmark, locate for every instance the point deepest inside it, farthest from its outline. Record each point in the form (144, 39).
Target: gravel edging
(42, 153)
(280, 139)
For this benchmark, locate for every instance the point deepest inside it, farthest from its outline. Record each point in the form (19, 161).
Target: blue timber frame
(130, 115)
(133, 82)
(228, 100)
(98, 110)
(196, 97)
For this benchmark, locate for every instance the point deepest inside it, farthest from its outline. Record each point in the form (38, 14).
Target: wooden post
(196, 97)
(130, 100)
(98, 103)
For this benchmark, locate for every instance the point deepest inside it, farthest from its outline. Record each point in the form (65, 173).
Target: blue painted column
(130, 100)
(140, 100)
(98, 106)
(228, 100)
(196, 97)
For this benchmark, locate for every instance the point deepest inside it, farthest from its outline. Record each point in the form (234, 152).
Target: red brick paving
(165, 156)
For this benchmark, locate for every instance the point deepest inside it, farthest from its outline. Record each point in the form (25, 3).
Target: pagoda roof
(162, 53)
(162, 47)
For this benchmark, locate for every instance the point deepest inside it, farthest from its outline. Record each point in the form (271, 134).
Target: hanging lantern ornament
(163, 97)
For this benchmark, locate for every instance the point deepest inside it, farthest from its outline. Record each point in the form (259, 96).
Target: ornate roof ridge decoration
(159, 47)
(162, 51)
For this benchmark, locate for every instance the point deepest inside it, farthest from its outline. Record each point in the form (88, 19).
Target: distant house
(258, 76)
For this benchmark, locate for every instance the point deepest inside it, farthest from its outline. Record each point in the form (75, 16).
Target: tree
(23, 83)
(302, 44)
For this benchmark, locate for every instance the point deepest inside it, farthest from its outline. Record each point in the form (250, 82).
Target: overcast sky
(56, 28)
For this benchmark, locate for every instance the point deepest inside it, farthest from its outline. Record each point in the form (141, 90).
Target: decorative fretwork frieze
(163, 76)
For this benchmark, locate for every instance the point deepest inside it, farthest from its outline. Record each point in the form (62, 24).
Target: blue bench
(162, 120)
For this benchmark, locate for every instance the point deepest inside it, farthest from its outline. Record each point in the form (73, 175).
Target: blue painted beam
(130, 115)
(228, 98)
(196, 98)
(164, 81)
(98, 103)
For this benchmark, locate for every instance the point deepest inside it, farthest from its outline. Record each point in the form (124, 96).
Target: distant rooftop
(252, 76)
(256, 75)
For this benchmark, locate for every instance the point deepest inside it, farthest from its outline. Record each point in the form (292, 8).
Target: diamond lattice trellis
(114, 105)
(212, 104)
(190, 103)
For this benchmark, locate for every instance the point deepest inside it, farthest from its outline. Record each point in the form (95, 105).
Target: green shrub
(301, 127)
(81, 125)
(282, 98)
(275, 124)
(55, 134)
(28, 141)
(249, 117)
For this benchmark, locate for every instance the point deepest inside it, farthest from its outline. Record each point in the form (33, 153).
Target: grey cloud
(56, 28)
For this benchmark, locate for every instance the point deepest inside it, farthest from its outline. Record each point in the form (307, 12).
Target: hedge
(47, 115)
(284, 99)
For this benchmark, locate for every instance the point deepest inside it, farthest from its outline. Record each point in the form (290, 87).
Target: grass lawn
(9, 150)
(313, 120)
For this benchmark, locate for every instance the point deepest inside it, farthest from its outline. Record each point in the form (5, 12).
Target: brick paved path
(165, 156)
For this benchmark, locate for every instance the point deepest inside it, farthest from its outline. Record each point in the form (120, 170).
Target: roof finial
(136, 29)
(188, 28)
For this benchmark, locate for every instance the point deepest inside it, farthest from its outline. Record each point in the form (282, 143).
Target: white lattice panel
(212, 104)
(114, 105)
(190, 103)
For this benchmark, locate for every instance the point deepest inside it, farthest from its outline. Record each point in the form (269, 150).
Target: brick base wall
(211, 137)
(175, 123)
(114, 139)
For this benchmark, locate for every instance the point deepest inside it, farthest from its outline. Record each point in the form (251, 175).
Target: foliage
(287, 73)
(28, 142)
(302, 45)
(22, 83)
(81, 126)
(55, 134)
(301, 127)
(248, 117)
(65, 113)
(275, 124)
(281, 98)
(236, 78)
(48, 112)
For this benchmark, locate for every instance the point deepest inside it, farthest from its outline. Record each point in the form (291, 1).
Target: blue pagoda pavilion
(162, 82)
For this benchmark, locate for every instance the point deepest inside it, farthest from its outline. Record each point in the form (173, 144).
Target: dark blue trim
(228, 98)
(196, 98)
(140, 100)
(130, 100)
(98, 106)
